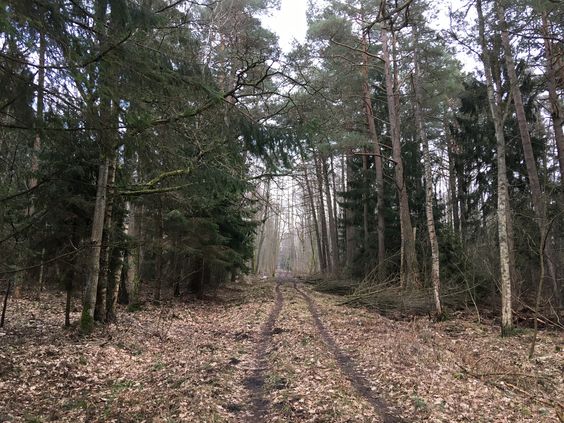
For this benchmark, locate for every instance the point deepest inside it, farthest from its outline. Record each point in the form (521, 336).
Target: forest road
(257, 384)
(346, 365)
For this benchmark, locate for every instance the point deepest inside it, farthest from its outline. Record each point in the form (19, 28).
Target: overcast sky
(289, 23)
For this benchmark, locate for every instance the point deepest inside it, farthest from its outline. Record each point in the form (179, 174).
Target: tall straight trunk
(365, 230)
(41, 280)
(68, 305)
(378, 167)
(422, 133)
(159, 251)
(179, 273)
(322, 219)
(557, 122)
(262, 227)
(277, 240)
(106, 145)
(335, 207)
(5, 303)
(462, 195)
(115, 263)
(321, 254)
(114, 283)
(532, 172)
(502, 194)
(39, 114)
(20, 277)
(409, 266)
(66, 277)
(133, 253)
(331, 215)
(539, 200)
(350, 228)
(555, 106)
(100, 310)
(307, 223)
(202, 279)
(451, 151)
(129, 284)
(141, 240)
(91, 290)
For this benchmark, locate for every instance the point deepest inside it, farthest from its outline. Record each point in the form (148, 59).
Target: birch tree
(502, 189)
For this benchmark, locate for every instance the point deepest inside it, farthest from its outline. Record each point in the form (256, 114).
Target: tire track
(255, 382)
(346, 365)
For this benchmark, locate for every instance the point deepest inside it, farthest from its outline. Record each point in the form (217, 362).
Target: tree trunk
(159, 252)
(322, 219)
(539, 200)
(322, 261)
(202, 280)
(133, 259)
(409, 266)
(177, 280)
(20, 277)
(114, 284)
(533, 175)
(100, 310)
(5, 303)
(105, 141)
(365, 230)
(87, 319)
(262, 227)
(350, 228)
(435, 263)
(332, 217)
(335, 208)
(557, 122)
(41, 277)
(39, 114)
(369, 112)
(502, 194)
(451, 151)
(68, 303)
(462, 196)
(555, 106)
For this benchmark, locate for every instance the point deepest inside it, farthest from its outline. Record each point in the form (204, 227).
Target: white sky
(289, 23)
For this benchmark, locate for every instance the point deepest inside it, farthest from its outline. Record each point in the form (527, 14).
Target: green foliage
(141, 85)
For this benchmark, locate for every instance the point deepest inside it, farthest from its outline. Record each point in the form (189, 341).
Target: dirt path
(255, 382)
(277, 380)
(269, 351)
(346, 365)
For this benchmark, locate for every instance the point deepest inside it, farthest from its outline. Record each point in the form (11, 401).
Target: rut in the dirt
(255, 382)
(347, 366)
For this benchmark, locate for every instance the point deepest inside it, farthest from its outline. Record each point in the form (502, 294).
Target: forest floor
(274, 352)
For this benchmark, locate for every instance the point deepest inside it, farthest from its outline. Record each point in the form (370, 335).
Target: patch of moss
(159, 365)
(86, 322)
(135, 307)
(419, 403)
(122, 385)
(77, 404)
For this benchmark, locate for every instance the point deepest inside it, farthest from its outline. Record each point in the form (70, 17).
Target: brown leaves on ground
(174, 362)
(305, 383)
(187, 361)
(454, 371)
